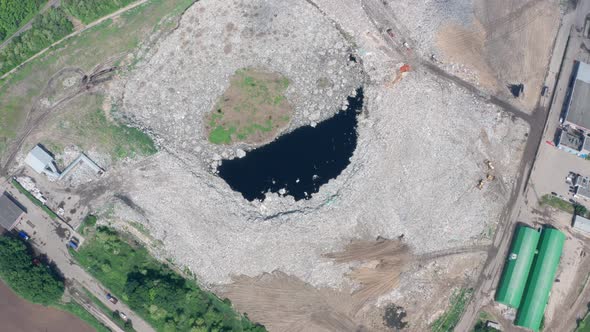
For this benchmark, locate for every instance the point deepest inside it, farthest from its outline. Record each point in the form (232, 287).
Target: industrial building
(582, 224)
(582, 187)
(577, 109)
(11, 211)
(42, 162)
(573, 141)
(529, 274)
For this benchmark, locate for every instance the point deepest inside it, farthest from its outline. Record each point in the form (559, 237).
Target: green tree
(580, 209)
(38, 284)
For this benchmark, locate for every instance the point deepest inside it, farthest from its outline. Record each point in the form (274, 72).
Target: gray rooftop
(40, 160)
(578, 111)
(10, 211)
(582, 224)
(572, 138)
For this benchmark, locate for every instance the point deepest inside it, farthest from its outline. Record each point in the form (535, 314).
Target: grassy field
(153, 290)
(89, 128)
(450, 318)
(251, 110)
(90, 10)
(107, 41)
(88, 223)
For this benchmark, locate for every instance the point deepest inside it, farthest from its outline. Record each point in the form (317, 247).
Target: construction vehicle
(490, 177)
(489, 163)
(480, 184)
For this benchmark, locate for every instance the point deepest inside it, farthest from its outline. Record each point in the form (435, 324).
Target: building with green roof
(536, 294)
(517, 266)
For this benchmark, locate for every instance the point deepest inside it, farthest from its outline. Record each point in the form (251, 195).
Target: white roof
(583, 72)
(38, 159)
(582, 224)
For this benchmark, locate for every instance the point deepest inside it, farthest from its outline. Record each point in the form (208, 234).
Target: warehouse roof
(41, 161)
(582, 224)
(536, 294)
(578, 111)
(10, 211)
(517, 267)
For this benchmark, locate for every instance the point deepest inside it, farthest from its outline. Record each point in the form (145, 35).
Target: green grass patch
(88, 222)
(450, 318)
(153, 290)
(88, 11)
(557, 203)
(584, 324)
(251, 110)
(33, 199)
(77, 310)
(221, 135)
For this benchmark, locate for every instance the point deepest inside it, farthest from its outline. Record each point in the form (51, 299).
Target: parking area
(552, 169)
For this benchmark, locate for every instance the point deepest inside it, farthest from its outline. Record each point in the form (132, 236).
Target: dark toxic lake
(299, 162)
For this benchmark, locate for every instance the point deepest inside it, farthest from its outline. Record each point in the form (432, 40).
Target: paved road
(49, 4)
(50, 237)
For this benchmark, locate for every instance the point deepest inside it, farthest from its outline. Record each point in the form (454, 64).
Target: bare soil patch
(252, 110)
(19, 315)
(466, 46)
(285, 303)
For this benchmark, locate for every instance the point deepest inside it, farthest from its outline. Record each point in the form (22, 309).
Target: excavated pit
(300, 162)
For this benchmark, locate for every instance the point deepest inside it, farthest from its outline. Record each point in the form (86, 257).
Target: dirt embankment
(286, 303)
(18, 315)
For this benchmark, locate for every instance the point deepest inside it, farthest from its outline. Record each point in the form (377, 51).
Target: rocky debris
(420, 150)
(171, 93)
(81, 174)
(31, 187)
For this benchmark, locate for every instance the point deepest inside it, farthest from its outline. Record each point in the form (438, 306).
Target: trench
(300, 162)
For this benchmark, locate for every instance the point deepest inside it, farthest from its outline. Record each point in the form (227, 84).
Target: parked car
(112, 299)
(23, 235)
(72, 244)
(123, 316)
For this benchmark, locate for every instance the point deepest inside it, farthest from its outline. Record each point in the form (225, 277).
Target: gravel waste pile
(191, 68)
(421, 145)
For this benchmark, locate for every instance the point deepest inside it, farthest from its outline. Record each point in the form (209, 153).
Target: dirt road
(18, 315)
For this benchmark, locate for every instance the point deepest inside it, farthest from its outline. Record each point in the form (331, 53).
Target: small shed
(582, 224)
(10, 211)
(41, 161)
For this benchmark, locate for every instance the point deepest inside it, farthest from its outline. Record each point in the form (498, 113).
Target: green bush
(14, 13)
(47, 28)
(90, 10)
(36, 283)
(154, 291)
